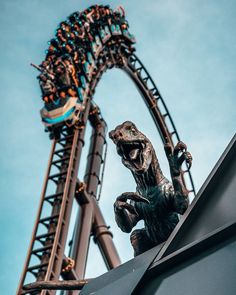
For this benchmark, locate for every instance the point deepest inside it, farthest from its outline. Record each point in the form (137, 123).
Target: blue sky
(189, 48)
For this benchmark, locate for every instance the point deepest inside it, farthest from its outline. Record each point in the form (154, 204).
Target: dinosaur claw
(130, 208)
(180, 146)
(188, 159)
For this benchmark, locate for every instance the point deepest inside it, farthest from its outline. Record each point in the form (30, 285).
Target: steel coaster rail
(118, 55)
(154, 101)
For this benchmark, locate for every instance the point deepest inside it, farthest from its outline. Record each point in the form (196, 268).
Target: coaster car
(64, 110)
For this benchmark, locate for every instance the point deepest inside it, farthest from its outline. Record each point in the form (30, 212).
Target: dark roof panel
(123, 279)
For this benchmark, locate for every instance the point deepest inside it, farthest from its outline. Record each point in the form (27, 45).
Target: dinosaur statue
(156, 200)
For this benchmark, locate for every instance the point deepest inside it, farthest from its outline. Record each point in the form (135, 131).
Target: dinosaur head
(133, 147)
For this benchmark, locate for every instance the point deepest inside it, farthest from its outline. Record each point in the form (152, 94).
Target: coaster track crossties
(85, 46)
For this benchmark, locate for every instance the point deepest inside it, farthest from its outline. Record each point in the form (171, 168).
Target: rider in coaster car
(119, 15)
(81, 55)
(51, 50)
(70, 48)
(97, 14)
(73, 18)
(47, 81)
(86, 26)
(124, 24)
(55, 45)
(64, 26)
(89, 14)
(61, 36)
(108, 14)
(102, 12)
(79, 29)
(63, 78)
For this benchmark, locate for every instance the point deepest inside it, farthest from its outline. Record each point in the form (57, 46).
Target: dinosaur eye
(133, 130)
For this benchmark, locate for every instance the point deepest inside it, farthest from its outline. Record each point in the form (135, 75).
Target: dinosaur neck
(151, 178)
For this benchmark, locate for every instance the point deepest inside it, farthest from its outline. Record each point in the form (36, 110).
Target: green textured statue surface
(157, 201)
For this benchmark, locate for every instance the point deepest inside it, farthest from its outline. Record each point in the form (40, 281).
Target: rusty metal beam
(102, 236)
(89, 218)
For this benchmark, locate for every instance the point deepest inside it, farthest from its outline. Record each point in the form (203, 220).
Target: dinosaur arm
(125, 220)
(126, 215)
(178, 197)
(179, 200)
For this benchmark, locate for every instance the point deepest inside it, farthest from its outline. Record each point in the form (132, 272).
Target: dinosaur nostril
(117, 135)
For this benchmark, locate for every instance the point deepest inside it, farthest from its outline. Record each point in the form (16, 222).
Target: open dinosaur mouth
(132, 152)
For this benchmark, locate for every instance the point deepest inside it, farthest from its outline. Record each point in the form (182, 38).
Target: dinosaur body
(156, 201)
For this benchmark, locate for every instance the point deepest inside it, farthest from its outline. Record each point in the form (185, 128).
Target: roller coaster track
(118, 55)
(45, 258)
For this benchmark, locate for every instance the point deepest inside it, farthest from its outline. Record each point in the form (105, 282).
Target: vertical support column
(89, 218)
(102, 235)
(81, 237)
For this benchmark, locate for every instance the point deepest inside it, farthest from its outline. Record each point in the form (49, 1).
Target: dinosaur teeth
(133, 154)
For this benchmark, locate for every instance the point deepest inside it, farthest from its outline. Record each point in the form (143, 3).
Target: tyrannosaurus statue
(156, 200)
